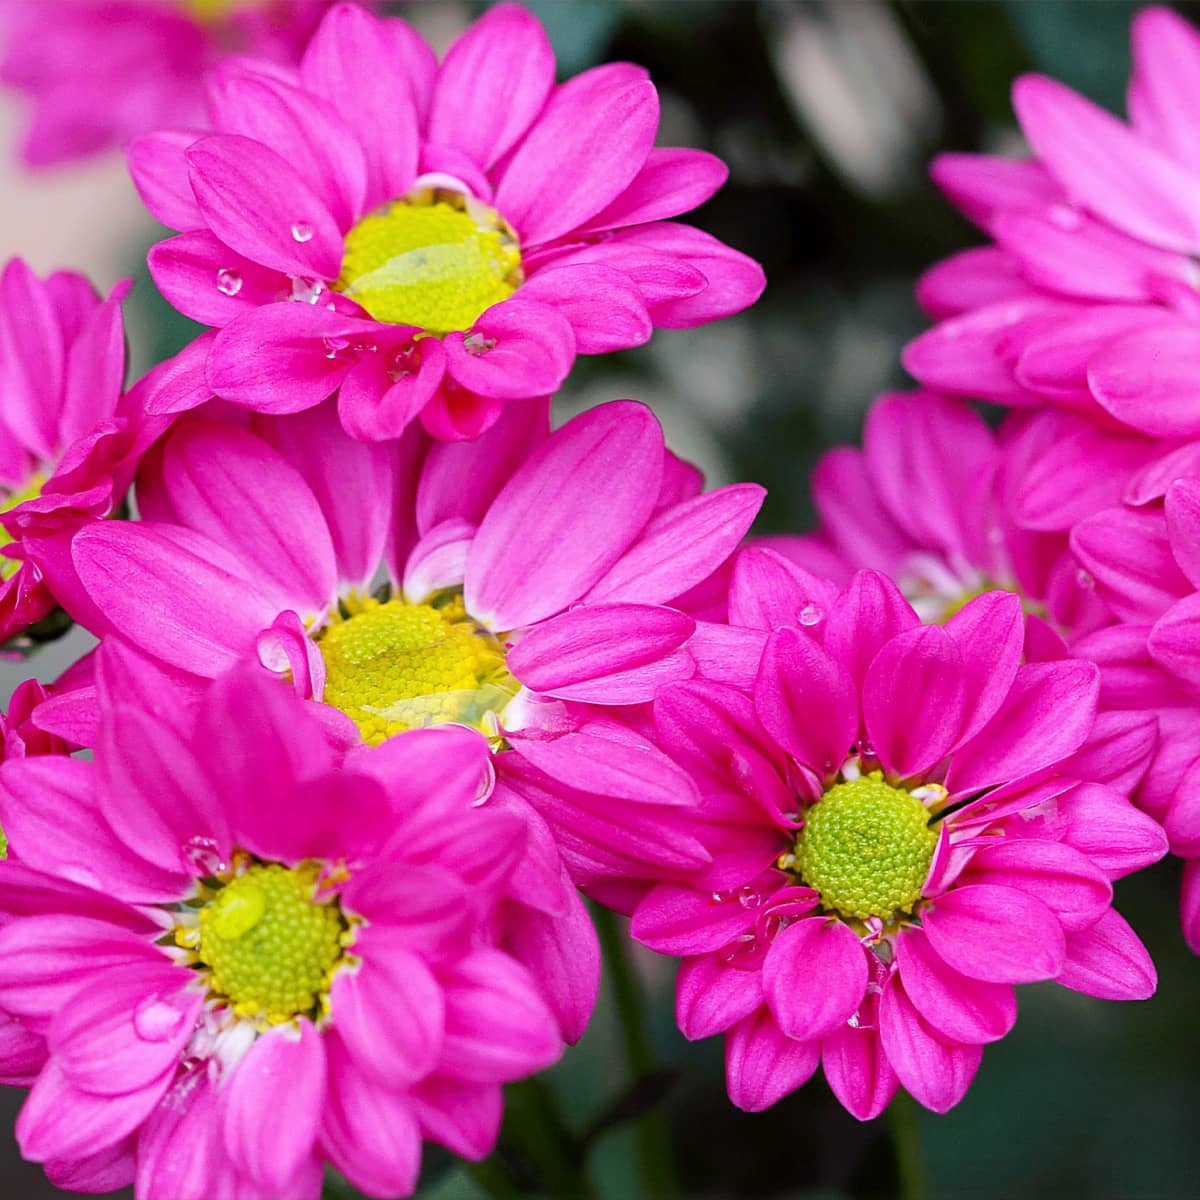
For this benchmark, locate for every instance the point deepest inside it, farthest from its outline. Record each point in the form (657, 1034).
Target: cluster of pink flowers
(390, 672)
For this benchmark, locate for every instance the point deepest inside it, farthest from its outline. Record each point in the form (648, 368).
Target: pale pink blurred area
(83, 216)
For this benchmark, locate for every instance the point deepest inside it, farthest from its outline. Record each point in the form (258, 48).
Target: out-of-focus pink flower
(99, 72)
(529, 571)
(949, 509)
(249, 952)
(1088, 298)
(904, 821)
(427, 240)
(70, 440)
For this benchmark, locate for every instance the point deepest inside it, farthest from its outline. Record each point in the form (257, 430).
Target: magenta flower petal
(607, 653)
(858, 1071)
(1107, 168)
(814, 977)
(282, 358)
(996, 934)
(255, 202)
(934, 1072)
(1104, 827)
(391, 1012)
(671, 181)
(283, 1074)
(768, 590)
(923, 665)
(869, 613)
(280, 533)
(680, 920)
(971, 279)
(369, 1130)
(989, 633)
(497, 1024)
(1045, 717)
(762, 1065)
(681, 546)
(1062, 878)
(158, 164)
(1109, 961)
(593, 136)
(603, 468)
(982, 184)
(526, 349)
(492, 85)
(1183, 527)
(128, 1032)
(463, 1117)
(1166, 81)
(1143, 379)
(603, 306)
(175, 593)
(959, 1008)
(710, 996)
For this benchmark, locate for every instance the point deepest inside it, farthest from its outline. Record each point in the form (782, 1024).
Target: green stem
(653, 1133)
(906, 1144)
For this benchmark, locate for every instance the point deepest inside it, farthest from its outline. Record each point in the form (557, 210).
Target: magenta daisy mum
(1087, 300)
(427, 239)
(528, 571)
(1145, 556)
(904, 822)
(950, 509)
(69, 439)
(146, 63)
(249, 954)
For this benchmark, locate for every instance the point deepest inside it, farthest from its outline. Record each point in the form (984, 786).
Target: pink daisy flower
(950, 509)
(1145, 556)
(145, 63)
(905, 820)
(426, 239)
(1087, 300)
(526, 572)
(69, 439)
(249, 953)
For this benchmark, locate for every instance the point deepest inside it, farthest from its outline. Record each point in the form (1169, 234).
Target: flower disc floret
(269, 944)
(436, 259)
(865, 848)
(395, 666)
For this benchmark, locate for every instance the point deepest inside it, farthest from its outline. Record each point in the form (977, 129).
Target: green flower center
(866, 848)
(270, 946)
(396, 666)
(433, 259)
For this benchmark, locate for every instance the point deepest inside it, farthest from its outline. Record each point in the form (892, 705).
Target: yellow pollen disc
(433, 259)
(10, 566)
(396, 666)
(269, 946)
(866, 848)
(212, 11)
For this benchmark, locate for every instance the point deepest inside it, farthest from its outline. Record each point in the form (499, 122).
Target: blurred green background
(827, 114)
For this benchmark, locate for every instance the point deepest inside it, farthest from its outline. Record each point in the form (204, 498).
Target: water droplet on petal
(478, 343)
(229, 283)
(203, 856)
(306, 291)
(334, 346)
(156, 1019)
(1085, 579)
(302, 231)
(810, 615)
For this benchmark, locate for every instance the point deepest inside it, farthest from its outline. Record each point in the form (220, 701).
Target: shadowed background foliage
(827, 114)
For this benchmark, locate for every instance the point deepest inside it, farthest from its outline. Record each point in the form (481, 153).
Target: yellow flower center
(396, 666)
(32, 489)
(269, 945)
(866, 848)
(433, 259)
(209, 12)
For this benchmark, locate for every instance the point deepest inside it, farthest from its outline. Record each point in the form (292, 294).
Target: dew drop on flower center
(395, 666)
(435, 259)
(865, 848)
